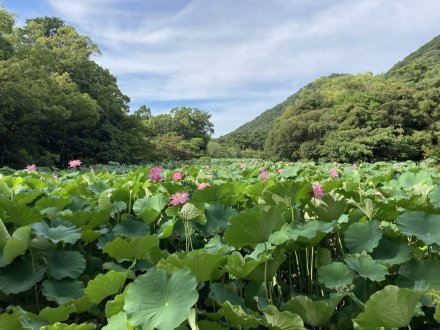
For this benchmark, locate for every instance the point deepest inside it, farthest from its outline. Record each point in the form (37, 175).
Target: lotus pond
(224, 245)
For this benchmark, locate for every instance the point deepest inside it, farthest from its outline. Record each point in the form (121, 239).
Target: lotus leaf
(425, 227)
(156, 300)
(63, 291)
(237, 316)
(62, 264)
(131, 248)
(60, 233)
(391, 307)
(282, 320)
(420, 274)
(362, 237)
(336, 275)
(17, 244)
(314, 312)
(253, 226)
(105, 285)
(19, 277)
(391, 252)
(367, 267)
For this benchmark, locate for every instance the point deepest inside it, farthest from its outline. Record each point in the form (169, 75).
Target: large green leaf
(313, 231)
(59, 233)
(240, 267)
(310, 233)
(221, 293)
(367, 267)
(420, 274)
(156, 202)
(113, 307)
(19, 277)
(53, 201)
(217, 216)
(131, 248)
(335, 275)
(64, 326)
(4, 235)
(118, 322)
(434, 196)
(62, 264)
(391, 307)
(391, 252)
(62, 291)
(201, 263)
(214, 194)
(17, 244)
(132, 227)
(105, 285)
(330, 208)
(288, 193)
(237, 317)
(253, 226)
(21, 215)
(362, 237)
(314, 312)
(156, 300)
(282, 320)
(10, 321)
(57, 314)
(425, 227)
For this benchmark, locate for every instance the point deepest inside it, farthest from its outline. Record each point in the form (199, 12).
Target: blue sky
(236, 59)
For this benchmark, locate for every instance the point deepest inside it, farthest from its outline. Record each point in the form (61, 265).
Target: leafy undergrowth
(229, 246)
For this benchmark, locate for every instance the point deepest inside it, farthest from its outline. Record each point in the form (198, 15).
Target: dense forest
(57, 103)
(391, 116)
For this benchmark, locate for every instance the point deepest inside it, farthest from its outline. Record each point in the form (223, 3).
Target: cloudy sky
(233, 58)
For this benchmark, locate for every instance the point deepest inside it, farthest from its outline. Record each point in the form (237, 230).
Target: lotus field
(221, 245)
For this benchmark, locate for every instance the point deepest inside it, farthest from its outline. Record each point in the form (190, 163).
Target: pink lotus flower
(74, 163)
(318, 191)
(31, 168)
(333, 173)
(262, 168)
(177, 176)
(179, 198)
(156, 173)
(264, 175)
(242, 164)
(280, 171)
(355, 166)
(203, 185)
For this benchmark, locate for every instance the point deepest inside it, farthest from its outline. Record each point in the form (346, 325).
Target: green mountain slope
(392, 116)
(410, 86)
(252, 135)
(414, 67)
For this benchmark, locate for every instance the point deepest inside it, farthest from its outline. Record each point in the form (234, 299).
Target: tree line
(391, 116)
(57, 104)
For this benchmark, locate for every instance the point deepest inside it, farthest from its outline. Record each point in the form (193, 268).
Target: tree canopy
(57, 103)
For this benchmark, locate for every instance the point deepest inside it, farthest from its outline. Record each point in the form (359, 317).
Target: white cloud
(245, 53)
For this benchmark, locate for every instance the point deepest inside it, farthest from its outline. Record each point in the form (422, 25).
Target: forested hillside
(252, 135)
(391, 116)
(57, 103)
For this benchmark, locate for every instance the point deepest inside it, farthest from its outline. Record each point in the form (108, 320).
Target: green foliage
(107, 250)
(391, 307)
(156, 300)
(393, 116)
(71, 107)
(356, 117)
